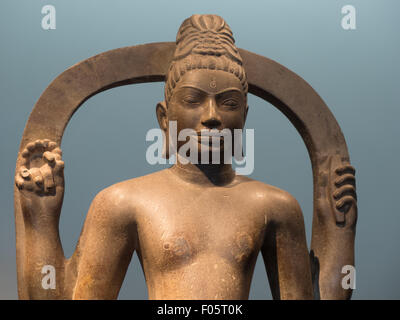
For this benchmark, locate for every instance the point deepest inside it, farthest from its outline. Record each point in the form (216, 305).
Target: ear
(162, 117)
(245, 113)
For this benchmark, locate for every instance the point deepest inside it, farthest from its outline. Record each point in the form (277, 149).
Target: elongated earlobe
(245, 114)
(165, 150)
(162, 117)
(239, 156)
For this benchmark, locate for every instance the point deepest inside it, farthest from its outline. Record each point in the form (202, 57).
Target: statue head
(206, 85)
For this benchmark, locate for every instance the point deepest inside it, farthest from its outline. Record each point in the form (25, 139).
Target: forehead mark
(213, 83)
(210, 80)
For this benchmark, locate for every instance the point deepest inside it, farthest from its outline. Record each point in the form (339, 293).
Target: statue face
(208, 99)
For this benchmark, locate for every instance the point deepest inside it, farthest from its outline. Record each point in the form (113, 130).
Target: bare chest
(221, 226)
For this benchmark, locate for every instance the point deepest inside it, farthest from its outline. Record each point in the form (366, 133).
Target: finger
(351, 214)
(48, 180)
(24, 173)
(59, 168)
(57, 151)
(39, 143)
(346, 169)
(39, 146)
(19, 182)
(52, 145)
(39, 181)
(25, 157)
(30, 146)
(46, 143)
(340, 220)
(25, 153)
(57, 156)
(49, 157)
(344, 204)
(37, 177)
(345, 190)
(58, 173)
(345, 179)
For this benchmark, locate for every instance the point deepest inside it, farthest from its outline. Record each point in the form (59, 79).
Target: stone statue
(197, 228)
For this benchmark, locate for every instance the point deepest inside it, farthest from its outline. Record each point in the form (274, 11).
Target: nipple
(177, 247)
(243, 246)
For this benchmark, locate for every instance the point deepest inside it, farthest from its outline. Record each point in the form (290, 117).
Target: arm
(285, 252)
(98, 266)
(105, 249)
(40, 182)
(334, 227)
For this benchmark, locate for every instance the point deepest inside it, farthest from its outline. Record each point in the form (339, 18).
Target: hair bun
(204, 42)
(206, 35)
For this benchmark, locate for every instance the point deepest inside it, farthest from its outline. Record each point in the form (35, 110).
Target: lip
(210, 133)
(208, 138)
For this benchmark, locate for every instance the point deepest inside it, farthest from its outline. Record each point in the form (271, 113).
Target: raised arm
(98, 266)
(285, 251)
(40, 180)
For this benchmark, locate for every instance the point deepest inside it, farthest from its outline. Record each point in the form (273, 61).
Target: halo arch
(267, 79)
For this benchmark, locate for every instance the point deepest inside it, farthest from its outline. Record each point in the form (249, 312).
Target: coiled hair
(204, 42)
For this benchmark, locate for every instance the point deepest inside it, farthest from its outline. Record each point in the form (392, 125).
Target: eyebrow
(207, 92)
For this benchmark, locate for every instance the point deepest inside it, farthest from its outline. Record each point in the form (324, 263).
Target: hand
(333, 226)
(345, 195)
(40, 178)
(336, 193)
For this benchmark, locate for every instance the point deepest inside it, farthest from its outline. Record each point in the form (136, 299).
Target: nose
(211, 118)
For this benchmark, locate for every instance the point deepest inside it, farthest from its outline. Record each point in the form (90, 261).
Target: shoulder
(279, 205)
(123, 198)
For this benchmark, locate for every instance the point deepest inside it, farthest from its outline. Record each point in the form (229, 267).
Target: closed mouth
(210, 133)
(208, 139)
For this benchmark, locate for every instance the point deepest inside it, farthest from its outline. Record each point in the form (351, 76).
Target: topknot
(204, 42)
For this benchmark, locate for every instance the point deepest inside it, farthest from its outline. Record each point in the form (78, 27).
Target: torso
(197, 242)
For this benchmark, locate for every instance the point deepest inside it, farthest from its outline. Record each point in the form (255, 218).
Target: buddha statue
(196, 227)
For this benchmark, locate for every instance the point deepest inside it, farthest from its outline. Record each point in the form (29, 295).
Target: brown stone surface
(176, 218)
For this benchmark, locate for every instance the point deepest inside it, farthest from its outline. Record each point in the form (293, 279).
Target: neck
(204, 174)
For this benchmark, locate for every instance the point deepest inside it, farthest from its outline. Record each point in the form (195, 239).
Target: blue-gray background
(355, 72)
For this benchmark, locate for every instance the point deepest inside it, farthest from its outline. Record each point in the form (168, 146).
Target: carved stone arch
(267, 79)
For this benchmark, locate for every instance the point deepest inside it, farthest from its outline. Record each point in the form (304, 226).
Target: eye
(191, 100)
(230, 103)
